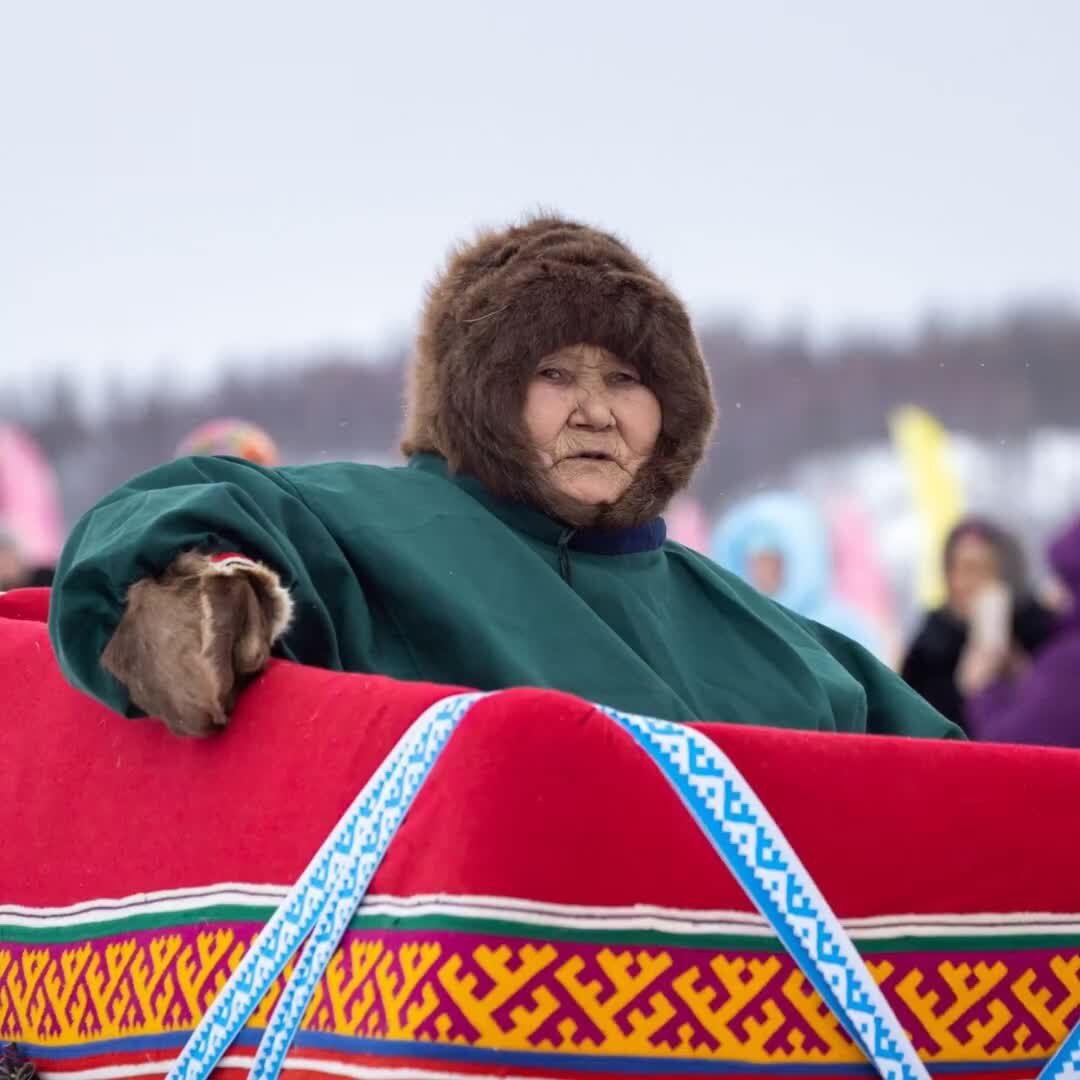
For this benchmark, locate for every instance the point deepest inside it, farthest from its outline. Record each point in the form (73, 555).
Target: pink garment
(859, 577)
(29, 498)
(687, 524)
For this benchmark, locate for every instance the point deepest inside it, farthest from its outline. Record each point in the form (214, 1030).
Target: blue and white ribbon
(421, 746)
(1065, 1064)
(336, 879)
(762, 861)
(713, 791)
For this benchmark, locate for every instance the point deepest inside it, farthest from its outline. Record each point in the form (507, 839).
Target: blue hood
(789, 525)
(792, 526)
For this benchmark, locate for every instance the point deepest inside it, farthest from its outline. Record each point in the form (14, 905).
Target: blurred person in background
(30, 512)
(981, 560)
(231, 437)
(558, 401)
(16, 571)
(13, 570)
(1016, 698)
(779, 542)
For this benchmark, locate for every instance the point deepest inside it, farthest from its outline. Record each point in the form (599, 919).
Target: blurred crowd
(998, 652)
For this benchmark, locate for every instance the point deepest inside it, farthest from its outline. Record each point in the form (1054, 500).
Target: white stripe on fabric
(299, 1063)
(538, 913)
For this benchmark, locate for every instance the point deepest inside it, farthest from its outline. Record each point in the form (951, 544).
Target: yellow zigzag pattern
(753, 1009)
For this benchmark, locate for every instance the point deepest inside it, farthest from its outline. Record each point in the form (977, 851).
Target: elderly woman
(558, 401)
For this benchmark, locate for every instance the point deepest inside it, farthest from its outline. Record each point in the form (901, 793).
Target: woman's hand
(989, 653)
(190, 640)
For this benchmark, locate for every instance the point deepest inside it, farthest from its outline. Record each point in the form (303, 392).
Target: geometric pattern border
(627, 1000)
(528, 994)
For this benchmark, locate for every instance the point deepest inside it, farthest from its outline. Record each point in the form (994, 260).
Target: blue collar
(628, 541)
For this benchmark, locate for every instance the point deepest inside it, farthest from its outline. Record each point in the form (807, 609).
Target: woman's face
(974, 564)
(592, 422)
(765, 569)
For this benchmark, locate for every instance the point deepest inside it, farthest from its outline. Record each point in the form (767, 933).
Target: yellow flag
(923, 445)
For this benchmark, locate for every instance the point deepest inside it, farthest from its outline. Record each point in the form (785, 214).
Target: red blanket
(547, 909)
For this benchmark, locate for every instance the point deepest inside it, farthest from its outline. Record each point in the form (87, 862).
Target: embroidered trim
(715, 794)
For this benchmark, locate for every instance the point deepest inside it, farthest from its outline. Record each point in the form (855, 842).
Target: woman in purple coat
(1036, 701)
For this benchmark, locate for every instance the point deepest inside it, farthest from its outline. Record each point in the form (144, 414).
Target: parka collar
(628, 541)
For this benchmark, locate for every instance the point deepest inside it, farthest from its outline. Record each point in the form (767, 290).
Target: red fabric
(537, 796)
(32, 604)
(225, 555)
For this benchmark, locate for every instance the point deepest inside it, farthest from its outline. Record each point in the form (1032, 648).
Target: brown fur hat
(511, 298)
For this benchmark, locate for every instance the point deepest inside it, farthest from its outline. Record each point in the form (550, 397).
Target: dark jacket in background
(1043, 707)
(931, 663)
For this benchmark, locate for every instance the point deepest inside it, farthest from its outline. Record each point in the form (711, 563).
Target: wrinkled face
(973, 565)
(592, 422)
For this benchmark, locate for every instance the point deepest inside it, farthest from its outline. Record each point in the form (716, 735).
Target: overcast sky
(183, 183)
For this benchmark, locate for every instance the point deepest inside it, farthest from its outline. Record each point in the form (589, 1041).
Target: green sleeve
(203, 503)
(892, 707)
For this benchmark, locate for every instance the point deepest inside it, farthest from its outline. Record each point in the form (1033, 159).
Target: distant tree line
(780, 399)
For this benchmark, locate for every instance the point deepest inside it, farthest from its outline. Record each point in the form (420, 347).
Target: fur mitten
(192, 639)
